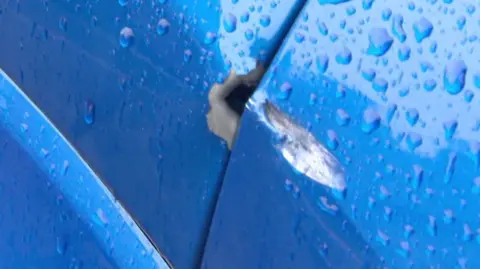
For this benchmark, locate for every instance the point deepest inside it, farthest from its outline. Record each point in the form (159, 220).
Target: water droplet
(322, 63)
(448, 216)
(245, 17)
(126, 37)
(467, 233)
(101, 217)
(461, 21)
(397, 28)
(414, 140)
(323, 249)
(332, 141)
(404, 249)
(351, 10)
(471, 9)
(249, 35)
(24, 127)
(391, 109)
(341, 92)
(299, 37)
(89, 112)
(331, 209)
(450, 127)
(475, 153)
(387, 214)
(417, 179)
(45, 153)
(379, 42)
(384, 193)
(285, 91)
(344, 56)
(61, 245)
(342, 117)
(187, 55)
(380, 84)
(322, 28)
(63, 24)
(288, 185)
(230, 23)
(371, 121)
(423, 28)
(404, 53)
(454, 76)
(412, 116)
(476, 80)
(452, 160)
(408, 230)
(430, 251)
(429, 85)
(210, 37)
(468, 96)
(163, 26)
(265, 20)
(65, 167)
(371, 202)
(432, 226)
(382, 238)
(313, 99)
(386, 14)
(367, 4)
(369, 74)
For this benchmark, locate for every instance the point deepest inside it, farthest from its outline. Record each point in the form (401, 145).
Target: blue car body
(387, 89)
(359, 148)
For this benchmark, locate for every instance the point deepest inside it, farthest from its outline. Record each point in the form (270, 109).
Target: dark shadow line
(290, 21)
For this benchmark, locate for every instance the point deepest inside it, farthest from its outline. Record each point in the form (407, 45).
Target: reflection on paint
(299, 147)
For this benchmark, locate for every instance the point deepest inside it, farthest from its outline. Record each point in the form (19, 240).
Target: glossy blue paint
(269, 217)
(55, 211)
(389, 88)
(126, 82)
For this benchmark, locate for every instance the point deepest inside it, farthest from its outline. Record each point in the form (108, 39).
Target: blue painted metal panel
(267, 216)
(127, 83)
(55, 212)
(387, 88)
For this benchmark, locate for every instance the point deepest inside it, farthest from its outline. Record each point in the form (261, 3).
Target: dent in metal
(298, 146)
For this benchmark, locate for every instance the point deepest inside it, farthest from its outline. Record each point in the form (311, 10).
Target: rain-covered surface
(390, 89)
(127, 83)
(55, 212)
(382, 94)
(270, 216)
(40, 229)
